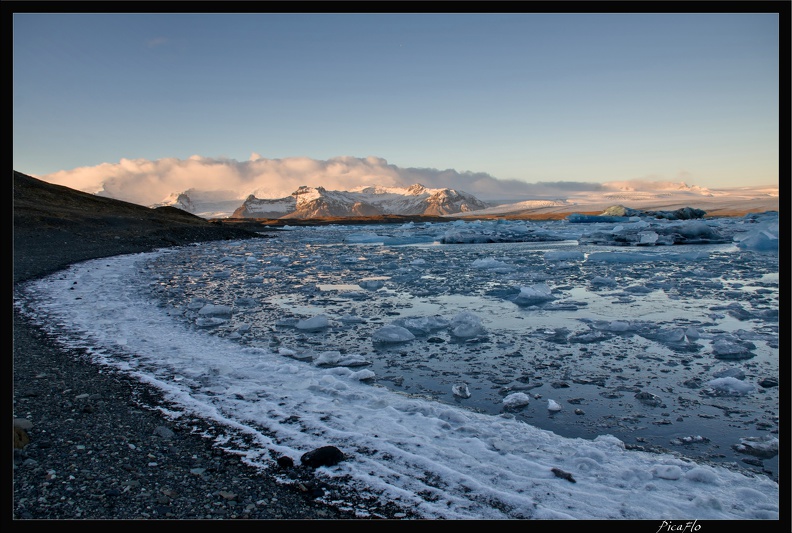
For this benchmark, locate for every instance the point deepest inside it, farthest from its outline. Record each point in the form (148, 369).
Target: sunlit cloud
(149, 182)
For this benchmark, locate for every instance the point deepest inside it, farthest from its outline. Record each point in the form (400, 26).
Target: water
(625, 347)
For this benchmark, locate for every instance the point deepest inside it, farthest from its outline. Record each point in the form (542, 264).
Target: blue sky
(525, 96)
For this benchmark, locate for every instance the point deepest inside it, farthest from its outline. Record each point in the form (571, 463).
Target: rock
(164, 432)
(21, 428)
(769, 382)
(284, 461)
(647, 398)
(23, 423)
(21, 438)
(324, 456)
(563, 475)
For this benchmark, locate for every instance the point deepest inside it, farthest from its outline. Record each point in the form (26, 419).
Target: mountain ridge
(318, 202)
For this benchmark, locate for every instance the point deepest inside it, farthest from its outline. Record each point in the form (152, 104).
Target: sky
(529, 97)
(440, 459)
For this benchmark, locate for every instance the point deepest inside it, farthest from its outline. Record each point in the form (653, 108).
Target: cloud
(643, 184)
(148, 182)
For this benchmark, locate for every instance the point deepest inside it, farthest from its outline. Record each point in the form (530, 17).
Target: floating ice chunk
(534, 295)
(765, 447)
(368, 238)
(336, 358)
(461, 390)
(392, 333)
(491, 264)
(638, 289)
(673, 336)
(422, 325)
(730, 386)
(619, 257)
(761, 239)
(355, 295)
(564, 255)
(516, 400)
(372, 284)
(647, 238)
(553, 405)
(215, 310)
(352, 319)
(729, 372)
(619, 326)
(603, 281)
(288, 322)
(197, 303)
(692, 439)
(647, 398)
(694, 232)
(728, 348)
(590, 337)
(209, 322)
(362, 375)
(692, 334)
(466, 325)
(314, 323)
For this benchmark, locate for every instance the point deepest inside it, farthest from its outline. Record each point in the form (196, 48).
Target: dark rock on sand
(324, 456)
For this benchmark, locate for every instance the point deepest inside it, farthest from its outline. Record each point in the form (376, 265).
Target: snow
(476, 310)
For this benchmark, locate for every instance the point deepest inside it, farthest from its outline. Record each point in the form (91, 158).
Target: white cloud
(148, 182)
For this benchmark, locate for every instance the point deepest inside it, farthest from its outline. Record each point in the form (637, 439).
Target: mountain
(55, 225)
(318, 202)
(417, 200)
(205, 204)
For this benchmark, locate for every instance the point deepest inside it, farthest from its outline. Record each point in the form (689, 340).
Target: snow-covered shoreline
(396, 431)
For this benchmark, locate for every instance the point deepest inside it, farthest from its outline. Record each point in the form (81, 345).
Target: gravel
(93, 444)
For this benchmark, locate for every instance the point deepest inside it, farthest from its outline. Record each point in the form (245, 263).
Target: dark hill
(54, 226)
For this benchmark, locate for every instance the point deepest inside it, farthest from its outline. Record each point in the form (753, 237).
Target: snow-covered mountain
(318, 202)
(205, 204)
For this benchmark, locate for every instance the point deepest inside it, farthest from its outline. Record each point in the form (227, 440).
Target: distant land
(56, 206)
(365, 203)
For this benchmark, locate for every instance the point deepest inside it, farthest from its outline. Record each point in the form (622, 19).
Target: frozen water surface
(581, 329)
